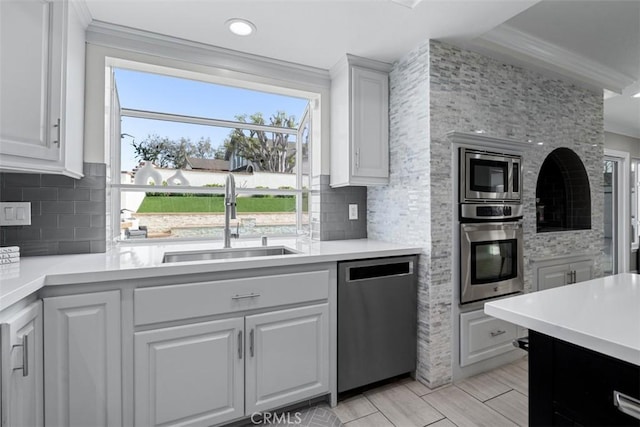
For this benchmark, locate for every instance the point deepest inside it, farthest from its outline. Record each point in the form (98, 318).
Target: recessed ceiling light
(479, 131)
(540, 143)
(241, 27)
(637, 95)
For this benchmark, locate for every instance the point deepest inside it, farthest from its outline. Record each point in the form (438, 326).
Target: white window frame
(634, 191)
(624, 213)
(115, 153)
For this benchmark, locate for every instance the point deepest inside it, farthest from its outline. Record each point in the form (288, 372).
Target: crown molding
(510, 40)
(132, 39)
(82, 10)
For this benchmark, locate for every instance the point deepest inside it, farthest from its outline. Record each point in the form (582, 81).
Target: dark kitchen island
(584, 351)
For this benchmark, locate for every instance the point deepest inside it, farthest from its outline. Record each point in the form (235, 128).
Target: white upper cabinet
(359, 122)
(42, 85)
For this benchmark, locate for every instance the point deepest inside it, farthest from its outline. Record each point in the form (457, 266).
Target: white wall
(618, 142)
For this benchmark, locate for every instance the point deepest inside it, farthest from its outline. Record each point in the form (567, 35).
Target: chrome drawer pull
(626, 404)
(251, 295)
(25, 356)
(498, 332)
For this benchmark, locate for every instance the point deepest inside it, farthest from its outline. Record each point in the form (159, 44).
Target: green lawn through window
(172, 204)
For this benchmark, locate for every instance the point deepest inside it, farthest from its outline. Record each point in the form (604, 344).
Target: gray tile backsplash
(68, 216)
(330, 211)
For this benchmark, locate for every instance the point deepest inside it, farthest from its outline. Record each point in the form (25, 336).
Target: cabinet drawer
(185, 301)
(483, 337)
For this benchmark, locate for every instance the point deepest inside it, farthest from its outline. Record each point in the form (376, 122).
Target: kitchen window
(180, 137)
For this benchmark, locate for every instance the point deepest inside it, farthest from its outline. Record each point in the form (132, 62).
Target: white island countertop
(600, 314)
(135, 261)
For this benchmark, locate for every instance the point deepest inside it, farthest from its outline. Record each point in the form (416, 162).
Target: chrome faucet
(229, 208)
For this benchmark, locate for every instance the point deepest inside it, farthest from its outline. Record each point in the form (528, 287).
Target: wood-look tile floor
(496, 398)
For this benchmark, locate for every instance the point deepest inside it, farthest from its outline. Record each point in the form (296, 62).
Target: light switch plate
(353, 211)
(15, 213)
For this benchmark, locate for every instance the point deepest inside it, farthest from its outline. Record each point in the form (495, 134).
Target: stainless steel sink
(226, 254)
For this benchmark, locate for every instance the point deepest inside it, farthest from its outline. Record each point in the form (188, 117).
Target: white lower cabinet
(190, 375)
(82, 360)
(191, 354)
(562, 271)
(288, 356)
(210, 373)
(21, 375)
(483, 336)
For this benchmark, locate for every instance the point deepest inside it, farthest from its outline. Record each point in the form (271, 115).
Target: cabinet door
(83, 360)
(30, 73)
(190, 375)
(71, 101)
(370, 123)
(483, 337)
(42, 85)
(583, 270)
(22, 402)
(287, 356)
(553, 276)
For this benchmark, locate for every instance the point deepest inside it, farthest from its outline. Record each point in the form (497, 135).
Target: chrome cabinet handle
(251, 295)
(57, 125)
(25, 355)
(574, 276)
(626, 404)
(357, 158)
(251, 343)
(239, 344)
(569, 278)
(498, 332)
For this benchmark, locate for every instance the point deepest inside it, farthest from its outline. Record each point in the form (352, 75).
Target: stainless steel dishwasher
(377, 320)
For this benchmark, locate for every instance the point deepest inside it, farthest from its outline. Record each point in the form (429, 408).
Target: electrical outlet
(15, 213)
(353, 211)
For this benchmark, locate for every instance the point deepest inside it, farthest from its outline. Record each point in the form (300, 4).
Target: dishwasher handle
(358, 273)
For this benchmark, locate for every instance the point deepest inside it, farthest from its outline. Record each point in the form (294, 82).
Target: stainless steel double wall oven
(490, 210)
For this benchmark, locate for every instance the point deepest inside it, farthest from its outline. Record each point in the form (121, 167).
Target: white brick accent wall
(438, 88)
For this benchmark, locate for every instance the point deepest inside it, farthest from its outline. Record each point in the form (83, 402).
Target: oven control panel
(481, 211)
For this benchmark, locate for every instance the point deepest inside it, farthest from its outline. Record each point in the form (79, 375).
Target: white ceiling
(604, 34)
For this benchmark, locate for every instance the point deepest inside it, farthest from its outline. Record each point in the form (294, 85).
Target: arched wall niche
(563, 194)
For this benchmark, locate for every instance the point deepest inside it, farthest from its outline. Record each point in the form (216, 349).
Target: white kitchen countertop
(600, 314)
(135, 261)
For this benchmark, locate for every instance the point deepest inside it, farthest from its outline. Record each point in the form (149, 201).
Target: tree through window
(179, 140)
